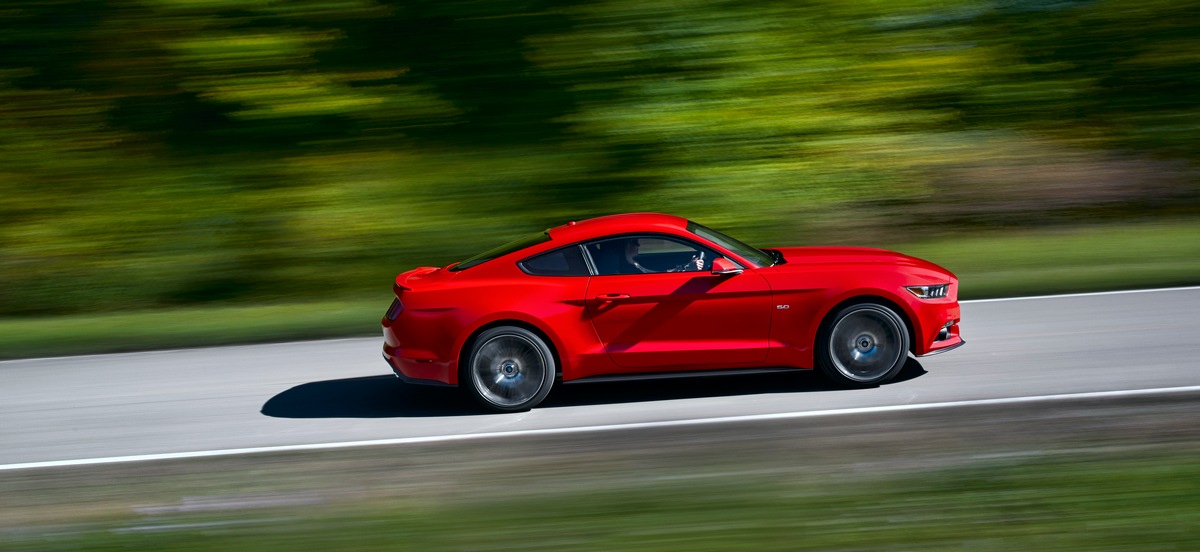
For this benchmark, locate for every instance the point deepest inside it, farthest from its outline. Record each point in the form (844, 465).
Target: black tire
(863, 345)
(509, 369)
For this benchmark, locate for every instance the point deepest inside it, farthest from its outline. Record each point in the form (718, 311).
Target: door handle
(609, 297)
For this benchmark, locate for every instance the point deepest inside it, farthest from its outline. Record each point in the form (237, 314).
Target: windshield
(502, 251)
(751, 254)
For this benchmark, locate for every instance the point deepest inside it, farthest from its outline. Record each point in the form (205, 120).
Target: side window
(567, 261)
(648, 255)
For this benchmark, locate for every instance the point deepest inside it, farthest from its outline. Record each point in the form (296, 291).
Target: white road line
(1070, 295)
(594, 429)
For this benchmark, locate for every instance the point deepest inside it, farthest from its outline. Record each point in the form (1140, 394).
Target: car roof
(617, 224)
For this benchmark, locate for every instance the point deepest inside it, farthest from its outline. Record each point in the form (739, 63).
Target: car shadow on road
(366, 397)
(388, 397)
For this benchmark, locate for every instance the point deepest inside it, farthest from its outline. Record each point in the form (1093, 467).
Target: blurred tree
(165, 152)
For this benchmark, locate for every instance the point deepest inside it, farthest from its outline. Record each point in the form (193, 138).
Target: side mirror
(721, 265)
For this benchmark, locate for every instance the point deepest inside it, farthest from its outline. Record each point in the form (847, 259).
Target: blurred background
(192, 172)
(164, 154)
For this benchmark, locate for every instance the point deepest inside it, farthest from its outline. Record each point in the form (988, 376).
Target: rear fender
(518, 319)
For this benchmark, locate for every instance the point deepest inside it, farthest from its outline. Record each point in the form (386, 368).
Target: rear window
(502, 251)
(567, 261)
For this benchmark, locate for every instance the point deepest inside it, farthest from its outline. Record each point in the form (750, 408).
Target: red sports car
(648, 294)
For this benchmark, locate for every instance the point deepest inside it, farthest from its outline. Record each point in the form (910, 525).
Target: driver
(631, 266)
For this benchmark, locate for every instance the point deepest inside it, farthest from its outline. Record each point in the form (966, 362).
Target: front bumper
(938, 327)
(949, 346)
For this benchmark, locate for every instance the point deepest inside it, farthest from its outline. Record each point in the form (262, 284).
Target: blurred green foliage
(177, 152)
(1083, 500)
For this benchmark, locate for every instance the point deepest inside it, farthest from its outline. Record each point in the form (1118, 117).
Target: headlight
(929, 292)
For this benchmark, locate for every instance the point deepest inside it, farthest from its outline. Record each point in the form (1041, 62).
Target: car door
(660, 307)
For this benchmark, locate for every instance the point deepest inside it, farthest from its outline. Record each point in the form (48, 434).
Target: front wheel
(863, 345)
(510, 369)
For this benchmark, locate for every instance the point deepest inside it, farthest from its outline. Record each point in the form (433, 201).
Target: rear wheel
(863, 345)
(510, 369)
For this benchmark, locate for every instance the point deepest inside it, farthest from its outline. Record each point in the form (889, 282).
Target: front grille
(394, 310)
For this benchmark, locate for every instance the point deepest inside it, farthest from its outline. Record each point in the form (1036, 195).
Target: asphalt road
(339, 391)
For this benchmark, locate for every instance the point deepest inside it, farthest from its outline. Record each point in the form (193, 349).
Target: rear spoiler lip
(402, 280)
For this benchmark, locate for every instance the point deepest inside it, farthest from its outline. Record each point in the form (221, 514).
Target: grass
(1089, 258)
(1093, 502)
(194, 327)
(1094, 475)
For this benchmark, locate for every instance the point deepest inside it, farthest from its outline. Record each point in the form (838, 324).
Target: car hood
(807, 256)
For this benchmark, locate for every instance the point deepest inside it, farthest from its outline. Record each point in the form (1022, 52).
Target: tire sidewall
(469, 382)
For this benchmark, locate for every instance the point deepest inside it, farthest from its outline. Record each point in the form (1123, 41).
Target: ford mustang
(645, 295)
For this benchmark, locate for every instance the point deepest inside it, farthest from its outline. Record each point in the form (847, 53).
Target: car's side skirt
(603, 378)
